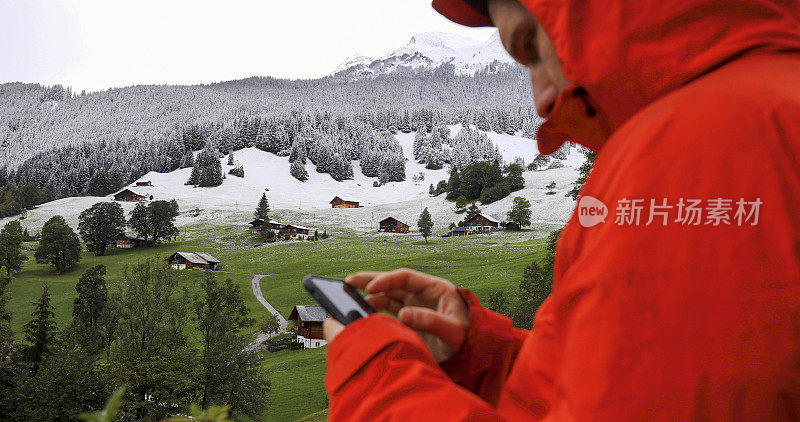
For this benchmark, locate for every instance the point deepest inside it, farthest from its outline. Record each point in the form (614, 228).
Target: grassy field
(483, 263)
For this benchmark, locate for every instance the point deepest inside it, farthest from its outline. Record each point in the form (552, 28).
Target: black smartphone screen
(340, 299)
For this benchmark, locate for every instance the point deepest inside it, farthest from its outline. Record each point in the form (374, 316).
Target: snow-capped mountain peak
(430, 50)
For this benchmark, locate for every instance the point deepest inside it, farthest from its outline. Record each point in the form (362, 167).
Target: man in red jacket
(676, 293)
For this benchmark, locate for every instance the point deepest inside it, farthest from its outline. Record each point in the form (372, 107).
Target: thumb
(449, 329)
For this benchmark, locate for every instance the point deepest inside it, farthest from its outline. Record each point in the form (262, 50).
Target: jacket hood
(621, 55)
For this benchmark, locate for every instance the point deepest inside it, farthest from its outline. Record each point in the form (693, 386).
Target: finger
(449, 329)
(360, 279)
(331, 328)
(382, 302)
(403, 279)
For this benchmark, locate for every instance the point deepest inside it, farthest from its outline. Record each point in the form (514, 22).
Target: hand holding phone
(340, 299)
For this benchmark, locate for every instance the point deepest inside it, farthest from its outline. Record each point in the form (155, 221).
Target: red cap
(464, 12)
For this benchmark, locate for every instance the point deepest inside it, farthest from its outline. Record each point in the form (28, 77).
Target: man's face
(529, 45)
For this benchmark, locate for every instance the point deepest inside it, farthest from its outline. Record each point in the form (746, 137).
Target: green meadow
(482, 263)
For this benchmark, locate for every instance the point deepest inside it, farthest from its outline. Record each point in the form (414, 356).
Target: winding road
(256, 284)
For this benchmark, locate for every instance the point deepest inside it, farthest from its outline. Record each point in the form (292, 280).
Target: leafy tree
(140, 221)
(11, 255)
(101, 225)
(221, 318)
(66, 384)
(495, 192)
(583, 172)
(40, 331)
(425, 224)
(151, 355)
(162, 216)
(461, 203)
(270, 325)
(520, 212)
(454, 185)
(59, 245)
(155, 221)
(91, 310)
(498, 302)
(262, 210)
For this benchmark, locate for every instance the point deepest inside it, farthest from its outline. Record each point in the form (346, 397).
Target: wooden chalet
(460, 231)
(481, 223)
(308, 321)
(511, 226)
(144, 183)
(192, 261)
(128, 241)
(297, 232)
(338, 202)
(391, 224)
(128, 196)
(258, 225)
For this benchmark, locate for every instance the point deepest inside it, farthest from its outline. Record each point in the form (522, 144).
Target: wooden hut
(338, 202)
(308, 321)
(128, 241)
(391, 224)
(128, 196)
(144, 183)
(459, 231)
(481, 223)
(297, 232)
(192, 261)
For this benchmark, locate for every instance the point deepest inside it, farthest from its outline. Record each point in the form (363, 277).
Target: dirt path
(256, 284)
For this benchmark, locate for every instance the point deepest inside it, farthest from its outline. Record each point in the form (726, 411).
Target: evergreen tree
(230, 159)
(298, 170)
(100, 225)
(472, 211)
(6, 334)
(59, 245)
(454, 185)
(91, 310)
(40, 331)
(520, 212)
(11, 255)
(262, 210)
(188, 160)
(425, 224)
(207, 170)
(583, 172)
(514, 176)
(536, 284)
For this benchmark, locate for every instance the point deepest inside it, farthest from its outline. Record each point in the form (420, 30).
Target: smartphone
(340, 299)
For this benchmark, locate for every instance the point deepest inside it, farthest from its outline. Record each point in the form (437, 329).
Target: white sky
(97, 44)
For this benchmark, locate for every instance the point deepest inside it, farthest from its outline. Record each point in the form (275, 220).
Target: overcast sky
(94, 45)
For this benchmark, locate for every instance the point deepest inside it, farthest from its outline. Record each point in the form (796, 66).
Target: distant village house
(511, 226)
(338, 202)
(308, 320)
(128, 241)
(128, 195)
(391, 224)
(460, 231)
(192, 261)
(258, 225)
(482, 223)
(144, 183)
(297, 232)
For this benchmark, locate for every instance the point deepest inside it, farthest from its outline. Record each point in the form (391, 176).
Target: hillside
(308, 202)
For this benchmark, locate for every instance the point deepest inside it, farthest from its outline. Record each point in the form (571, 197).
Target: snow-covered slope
(308, 202)
(430, 50)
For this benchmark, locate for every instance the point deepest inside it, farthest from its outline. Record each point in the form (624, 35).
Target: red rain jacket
(694, 316)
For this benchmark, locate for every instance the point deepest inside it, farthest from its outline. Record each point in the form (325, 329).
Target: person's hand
(429, 305)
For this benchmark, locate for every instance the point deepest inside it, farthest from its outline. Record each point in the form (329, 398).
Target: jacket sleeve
(494, 342)
(379, 369)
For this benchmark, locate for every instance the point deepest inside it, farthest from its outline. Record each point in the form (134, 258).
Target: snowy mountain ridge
(430, 50)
